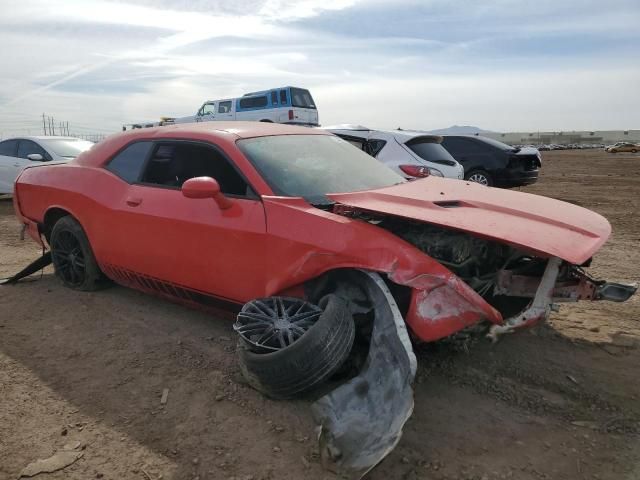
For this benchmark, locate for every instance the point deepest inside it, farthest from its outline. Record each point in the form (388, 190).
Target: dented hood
(532, 222)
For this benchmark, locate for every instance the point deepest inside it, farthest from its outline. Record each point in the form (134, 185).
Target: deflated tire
(288, 346)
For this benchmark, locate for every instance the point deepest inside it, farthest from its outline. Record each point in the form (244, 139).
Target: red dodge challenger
(317, 245)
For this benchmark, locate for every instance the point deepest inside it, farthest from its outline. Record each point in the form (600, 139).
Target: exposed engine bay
(473, 259)
(506, 277)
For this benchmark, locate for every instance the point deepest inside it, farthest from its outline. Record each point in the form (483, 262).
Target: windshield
(67, 147)
(313, 165)
(431, 152)
(301, 98)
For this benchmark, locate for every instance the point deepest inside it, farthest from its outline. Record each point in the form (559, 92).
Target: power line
(47, 125)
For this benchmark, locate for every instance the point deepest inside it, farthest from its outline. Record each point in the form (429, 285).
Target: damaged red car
(317, 245)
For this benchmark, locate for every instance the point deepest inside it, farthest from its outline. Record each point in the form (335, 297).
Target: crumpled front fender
(361, 421)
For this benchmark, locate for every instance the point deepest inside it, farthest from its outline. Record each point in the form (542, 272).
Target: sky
(503, 65)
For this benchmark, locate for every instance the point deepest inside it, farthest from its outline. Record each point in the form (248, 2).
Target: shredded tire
(306, 363)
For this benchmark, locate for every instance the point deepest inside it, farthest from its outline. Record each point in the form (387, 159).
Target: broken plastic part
(615, 292)
(361, 421)
(540, 306)
(32, 268)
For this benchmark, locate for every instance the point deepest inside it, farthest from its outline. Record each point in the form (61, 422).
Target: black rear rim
(271, 324)
(68, 258)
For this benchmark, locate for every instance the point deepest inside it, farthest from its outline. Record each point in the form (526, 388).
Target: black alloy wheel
(68, 258)
(73, 259)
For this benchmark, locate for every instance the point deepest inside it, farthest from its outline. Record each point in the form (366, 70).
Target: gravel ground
(561, 401)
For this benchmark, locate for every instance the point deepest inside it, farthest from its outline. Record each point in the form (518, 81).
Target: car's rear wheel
(634, 150)
(479, 176)
(288, 346)
(73, 259)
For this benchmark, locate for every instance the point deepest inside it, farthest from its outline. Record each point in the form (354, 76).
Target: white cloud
(289, 10)
(503, 65)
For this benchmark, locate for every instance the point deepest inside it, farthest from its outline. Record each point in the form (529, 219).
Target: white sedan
(17, 153)
(411, 154)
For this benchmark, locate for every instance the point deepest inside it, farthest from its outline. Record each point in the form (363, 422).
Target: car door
(207, 113)
(29, 147)
(171, 243)
(10, 165)
(225, 110)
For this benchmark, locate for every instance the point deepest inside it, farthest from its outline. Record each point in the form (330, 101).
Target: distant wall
(560, 138)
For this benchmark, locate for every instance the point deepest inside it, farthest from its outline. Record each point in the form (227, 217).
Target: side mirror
(206, 187)
(36, 157)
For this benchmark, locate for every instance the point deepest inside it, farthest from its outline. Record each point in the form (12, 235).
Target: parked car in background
(17, 153)
(493, 163)
(623, 147)
(291, 105)
(411, 154)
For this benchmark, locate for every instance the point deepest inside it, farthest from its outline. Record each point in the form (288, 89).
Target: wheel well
(50, 219)
(327, 283)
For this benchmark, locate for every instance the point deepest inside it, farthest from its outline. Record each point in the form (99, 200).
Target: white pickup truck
(279, 105)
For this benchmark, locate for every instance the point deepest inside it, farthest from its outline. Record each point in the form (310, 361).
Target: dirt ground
(561, 401)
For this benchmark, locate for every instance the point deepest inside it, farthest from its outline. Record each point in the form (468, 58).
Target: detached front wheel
(289, 346)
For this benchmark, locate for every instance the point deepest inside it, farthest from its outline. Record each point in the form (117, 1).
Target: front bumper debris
(361, 421)
(574, 286)
(540, 306)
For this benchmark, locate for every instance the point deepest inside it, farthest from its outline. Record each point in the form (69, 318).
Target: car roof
(216, 132)
(402, 136)
(40, 137)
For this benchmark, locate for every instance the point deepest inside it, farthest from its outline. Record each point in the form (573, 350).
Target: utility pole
(67, 128)
(53, 125)
(44, 125)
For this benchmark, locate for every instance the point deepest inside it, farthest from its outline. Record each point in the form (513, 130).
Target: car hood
(543, 225)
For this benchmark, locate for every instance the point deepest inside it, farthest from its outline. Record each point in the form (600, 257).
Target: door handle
(134, 201)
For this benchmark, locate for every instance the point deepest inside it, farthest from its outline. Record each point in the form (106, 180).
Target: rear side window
(129, 162)
(8, 148)
(253, 102)
(283, 97)
(274, 97)
(463, 146)
(375, 146)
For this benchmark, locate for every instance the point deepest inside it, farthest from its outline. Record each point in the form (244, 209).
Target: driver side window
(27, 147)
(209, 109)
(173, 163)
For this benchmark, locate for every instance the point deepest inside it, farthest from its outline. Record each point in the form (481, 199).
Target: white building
(606, 137)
